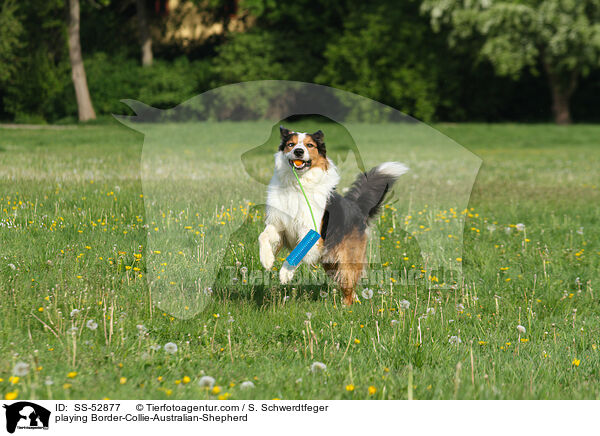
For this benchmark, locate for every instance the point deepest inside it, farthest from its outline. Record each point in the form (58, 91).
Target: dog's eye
(291, 144)
(309, 145)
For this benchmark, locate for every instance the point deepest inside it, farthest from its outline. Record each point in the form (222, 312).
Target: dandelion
(12, 266)
(216, 390)
(454, 340)
(520, 227)
(430, 311)
(575, 362)
(21, 369)
(404, 304)
(394, 322)
(155, 347)
(350, 387)
(491, 228)
(308, 315)
(372, 390)
(72, 374)
(208, 292)
(521, 329)
(170, 347)
(357, 341)
(244, 270)
(74, 313)
(367, 293)
(317, 367)
(206, 382)
(247, 385)
(91, 324)
(11, 395)
(72, 331)
(48, 381)
(123, 380)
(323, 294)
(580, 231)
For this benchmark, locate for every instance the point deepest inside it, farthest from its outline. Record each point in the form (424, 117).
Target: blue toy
(311, 237)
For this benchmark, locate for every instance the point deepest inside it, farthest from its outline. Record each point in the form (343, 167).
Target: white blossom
(206, 382)
(318, 366)
(21, 369)
(367, 293)
(170, 347)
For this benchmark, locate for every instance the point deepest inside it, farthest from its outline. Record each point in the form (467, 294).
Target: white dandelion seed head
(238, 263)
(460, 307)
(170, 347)
(521, 329)
(454, 340)
(48, 381)
(74, 313)
(308, 315)
(405, 304)
(21, 369)
(73, 331)
(155, 347)
(430, 311)
(318, 367)
(367, 293)
(206, 382)
(243, 270)
(394, 322)
(12, 266)
(520, 227)
(323, 294)
(247, 385)
(91, 324)
(491, 228)
(208, 292)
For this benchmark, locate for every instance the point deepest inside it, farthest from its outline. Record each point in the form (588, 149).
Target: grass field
(79, 247)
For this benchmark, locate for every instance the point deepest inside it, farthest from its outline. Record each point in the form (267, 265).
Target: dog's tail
(369, 189)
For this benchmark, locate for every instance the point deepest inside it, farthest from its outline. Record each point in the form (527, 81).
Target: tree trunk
(561, 91)
(82, 93)
(144, 30)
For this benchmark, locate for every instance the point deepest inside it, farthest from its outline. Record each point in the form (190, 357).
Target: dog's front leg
(268, 241)
(286, 273)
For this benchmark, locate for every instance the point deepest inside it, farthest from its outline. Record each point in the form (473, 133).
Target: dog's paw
(267, 259)
(286, 273)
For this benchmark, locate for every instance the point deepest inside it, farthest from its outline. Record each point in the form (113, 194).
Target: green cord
(306, 198)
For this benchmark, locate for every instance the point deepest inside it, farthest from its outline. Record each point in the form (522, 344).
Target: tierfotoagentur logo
(25, 415)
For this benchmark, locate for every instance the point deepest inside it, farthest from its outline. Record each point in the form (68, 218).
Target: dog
(343, 221)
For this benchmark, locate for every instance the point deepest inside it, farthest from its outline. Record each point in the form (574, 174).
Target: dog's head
(303, 151)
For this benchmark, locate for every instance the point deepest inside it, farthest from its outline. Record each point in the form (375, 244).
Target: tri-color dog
(343, 220)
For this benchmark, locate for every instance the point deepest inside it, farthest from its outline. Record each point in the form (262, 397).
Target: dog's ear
(319, 138)
(285, 133)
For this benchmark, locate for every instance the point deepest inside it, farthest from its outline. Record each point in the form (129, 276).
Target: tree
(560, 36)
(82, 93)
(144, 31)
(11, 30)
(388, 53)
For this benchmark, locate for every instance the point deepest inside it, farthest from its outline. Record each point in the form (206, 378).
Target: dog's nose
(298, 152)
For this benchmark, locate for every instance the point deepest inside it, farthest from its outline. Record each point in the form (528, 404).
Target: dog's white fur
(288, 218)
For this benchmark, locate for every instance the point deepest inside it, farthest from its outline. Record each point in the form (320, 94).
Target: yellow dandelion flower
(216, 390)
(357, 341)
(575, 362)
(350, 388)
(123, 380)
(372, 390)
(67, 386)
(72, 374)
(11, 395)
(186, 380)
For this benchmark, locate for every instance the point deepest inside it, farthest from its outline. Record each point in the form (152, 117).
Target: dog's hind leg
(269, 242)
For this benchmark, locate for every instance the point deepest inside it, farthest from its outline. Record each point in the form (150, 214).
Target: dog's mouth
(300, 164)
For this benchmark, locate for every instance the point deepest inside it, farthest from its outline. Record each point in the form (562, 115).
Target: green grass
(76, 234)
